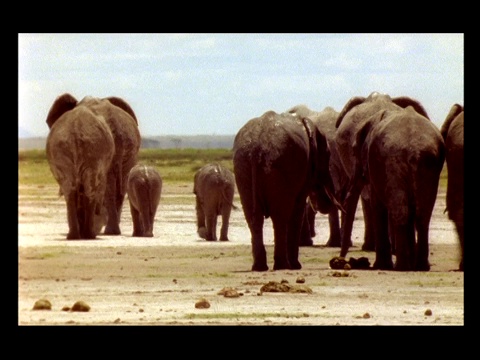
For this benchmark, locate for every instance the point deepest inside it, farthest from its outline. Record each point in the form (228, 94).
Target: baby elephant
(214, 187)
(144, 187)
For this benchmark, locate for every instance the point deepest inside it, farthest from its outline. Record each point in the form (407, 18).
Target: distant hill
(155, 142)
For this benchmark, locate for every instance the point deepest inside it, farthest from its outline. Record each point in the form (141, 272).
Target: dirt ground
(166, 279)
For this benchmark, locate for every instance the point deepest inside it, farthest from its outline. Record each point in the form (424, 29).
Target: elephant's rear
(79, 150)
(411, 152)
(144, 188)
(263, 149)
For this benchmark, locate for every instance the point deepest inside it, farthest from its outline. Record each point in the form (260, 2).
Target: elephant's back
(79, 146)
(406, 129)
(267, 137)
(213, 177)
(80, 134)
(147, 179)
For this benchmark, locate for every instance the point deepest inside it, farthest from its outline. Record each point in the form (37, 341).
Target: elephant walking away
(80, 149)
(123, 125)
(214, 188)
(452, 132)
(400, 155)
(144, 188)
(356, 112)
(279, 160)
(325, 120)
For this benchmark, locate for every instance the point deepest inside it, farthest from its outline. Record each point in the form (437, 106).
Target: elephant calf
(452, 132)
(214, 187)
(144, 187)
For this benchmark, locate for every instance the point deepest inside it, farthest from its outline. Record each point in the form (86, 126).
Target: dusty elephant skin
(356, 112)
(144, 188)
(453, 134)
(123, 125)
(280, 159)
(400, 156)
(80, 149)
(325, 121)
(214, 188)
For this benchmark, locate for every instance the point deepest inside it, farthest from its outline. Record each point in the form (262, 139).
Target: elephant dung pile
(338, 262)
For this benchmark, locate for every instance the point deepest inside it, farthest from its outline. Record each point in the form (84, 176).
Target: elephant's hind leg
(258, 248)
(73, 226)
(137, 226)
(88, 228)
(225, 222)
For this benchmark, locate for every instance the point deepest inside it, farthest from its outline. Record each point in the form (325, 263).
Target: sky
(213, 83)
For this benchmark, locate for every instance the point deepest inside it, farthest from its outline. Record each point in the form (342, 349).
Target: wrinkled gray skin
(325, 121)
(351, 119)
(124, 127)
(214, 188)
(400, 155)
(144, 188)
(80, 149)
(452, 132)
(279, 160)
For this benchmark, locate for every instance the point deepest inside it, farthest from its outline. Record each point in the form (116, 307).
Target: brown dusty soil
(158, 281)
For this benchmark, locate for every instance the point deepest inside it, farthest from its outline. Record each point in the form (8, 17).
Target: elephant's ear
(405, 101)
(454, 111)
(357, 100)
(122, 104)
(61, 105)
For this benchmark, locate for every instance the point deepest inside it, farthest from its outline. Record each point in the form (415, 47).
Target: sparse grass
(244, 316)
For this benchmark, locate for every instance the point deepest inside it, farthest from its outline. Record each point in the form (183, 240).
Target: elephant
(214, 189)
(124, 127)
(279, 160)
(325, 121)
(400, 155)
(350, 120)
(144, 188)
(80, 148)
(452, 132)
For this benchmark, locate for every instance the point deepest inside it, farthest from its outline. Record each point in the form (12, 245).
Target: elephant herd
(287, 166)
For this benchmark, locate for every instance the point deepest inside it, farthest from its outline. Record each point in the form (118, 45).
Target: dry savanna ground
(175, 278)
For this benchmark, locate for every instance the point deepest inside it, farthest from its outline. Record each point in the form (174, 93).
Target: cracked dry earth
(175, 278)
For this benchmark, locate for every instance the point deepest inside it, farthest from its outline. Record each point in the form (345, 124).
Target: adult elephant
(325, 121)
(400, 155)
(452, 132)
(214, 188)
(279, 160)
(144, 189)
(351, 119)
(80, 149)
(124, 127)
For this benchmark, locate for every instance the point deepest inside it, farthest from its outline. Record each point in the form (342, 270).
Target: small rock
(81, 306)
(300, 280)
(42, 304)
(202, 304)
(66, 308)
(428, 312)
